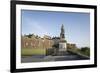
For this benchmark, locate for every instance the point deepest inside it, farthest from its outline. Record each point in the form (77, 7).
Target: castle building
(32, 41)
(62, 42)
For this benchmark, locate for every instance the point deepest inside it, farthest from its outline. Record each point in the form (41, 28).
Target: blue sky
(76, 25)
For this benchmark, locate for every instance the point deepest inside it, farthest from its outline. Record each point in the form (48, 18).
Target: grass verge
(32, 51)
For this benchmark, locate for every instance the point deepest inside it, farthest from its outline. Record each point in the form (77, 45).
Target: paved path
(67, 57)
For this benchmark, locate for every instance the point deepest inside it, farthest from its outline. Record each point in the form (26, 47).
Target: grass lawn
(30, 52)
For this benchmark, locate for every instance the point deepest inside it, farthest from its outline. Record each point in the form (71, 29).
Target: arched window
(26, 44)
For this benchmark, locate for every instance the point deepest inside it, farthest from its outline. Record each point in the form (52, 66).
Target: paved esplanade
(67, 57)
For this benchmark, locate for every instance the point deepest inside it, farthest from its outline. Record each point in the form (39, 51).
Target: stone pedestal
(62, 46)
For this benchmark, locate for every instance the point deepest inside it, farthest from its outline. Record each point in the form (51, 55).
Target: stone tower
(62, 34)
(62, 43)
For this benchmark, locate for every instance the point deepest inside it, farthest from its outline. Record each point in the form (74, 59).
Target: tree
(29, 35)
(56, 46)
(85, 50)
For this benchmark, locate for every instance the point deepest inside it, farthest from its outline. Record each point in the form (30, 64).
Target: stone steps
(62, 53)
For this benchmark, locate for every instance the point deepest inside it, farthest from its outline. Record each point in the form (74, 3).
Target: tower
(62, 43)
(62, 34)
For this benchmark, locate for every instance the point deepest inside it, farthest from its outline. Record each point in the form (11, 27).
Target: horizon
(76, 25)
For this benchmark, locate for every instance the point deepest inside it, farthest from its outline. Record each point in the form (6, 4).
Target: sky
(76, 25)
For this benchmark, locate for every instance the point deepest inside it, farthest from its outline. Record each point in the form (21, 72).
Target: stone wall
(33, 42)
